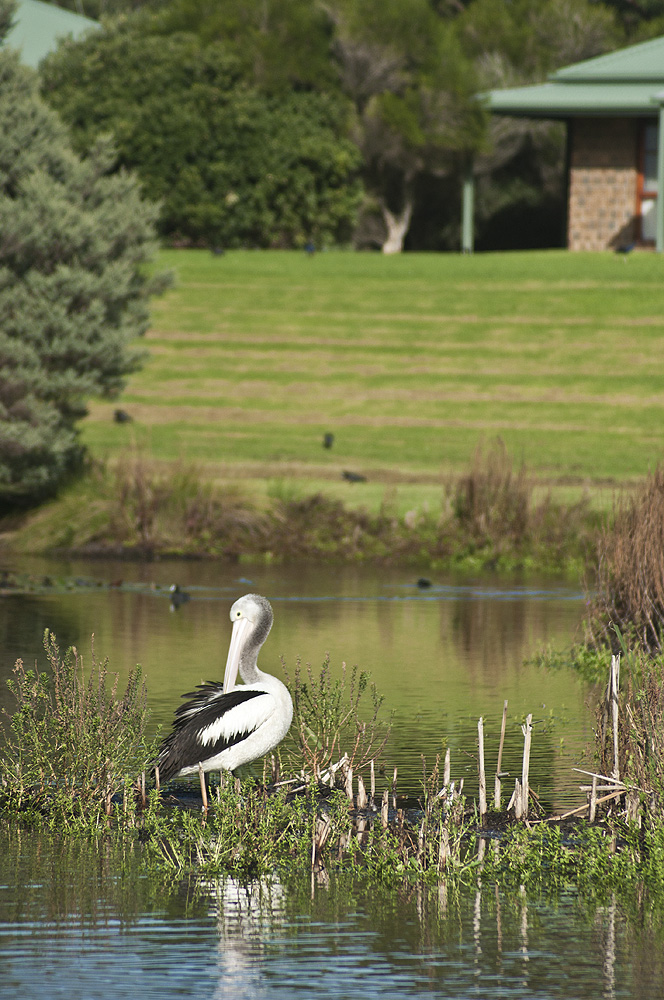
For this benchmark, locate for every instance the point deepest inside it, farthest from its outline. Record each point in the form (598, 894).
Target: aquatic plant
(72, 744)
(328, 725)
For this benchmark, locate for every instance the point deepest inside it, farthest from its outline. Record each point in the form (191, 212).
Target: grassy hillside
(409, 361)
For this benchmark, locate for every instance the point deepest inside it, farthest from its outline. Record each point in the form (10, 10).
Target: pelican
(224, 726)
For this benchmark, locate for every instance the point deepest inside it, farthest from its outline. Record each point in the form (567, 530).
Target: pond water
(82, 922)
(441, 656)
(87, 921)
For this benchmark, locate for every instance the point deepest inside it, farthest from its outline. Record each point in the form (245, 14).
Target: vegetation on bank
(492, 517)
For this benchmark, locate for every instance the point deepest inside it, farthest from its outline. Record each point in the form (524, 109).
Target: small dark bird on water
(122, 417)
(423, 583)
(178, 597)
(353, 477)
(328, 440)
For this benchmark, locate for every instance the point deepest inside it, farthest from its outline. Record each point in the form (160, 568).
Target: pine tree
(74, 238)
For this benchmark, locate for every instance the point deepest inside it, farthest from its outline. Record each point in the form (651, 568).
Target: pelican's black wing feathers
(182, 747)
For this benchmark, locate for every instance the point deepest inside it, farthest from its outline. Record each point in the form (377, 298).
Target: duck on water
(226, 725)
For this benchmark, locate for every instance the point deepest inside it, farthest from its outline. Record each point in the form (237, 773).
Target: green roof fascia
(567, 100)
(39, 26)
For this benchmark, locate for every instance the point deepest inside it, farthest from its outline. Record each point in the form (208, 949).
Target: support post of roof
(659, 202)
(467, 208)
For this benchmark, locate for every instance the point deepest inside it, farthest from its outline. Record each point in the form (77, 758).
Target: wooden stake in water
(447, 769)
(385, 809)
(592, 804)
(480, 743)
(394, 790)
(361, 793)
(527, 731)
(349, 784)
(496, 784)
(614, 683)
(372, 794)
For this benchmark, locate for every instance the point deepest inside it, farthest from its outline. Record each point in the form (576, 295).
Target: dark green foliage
(231, 164)
(73, 293)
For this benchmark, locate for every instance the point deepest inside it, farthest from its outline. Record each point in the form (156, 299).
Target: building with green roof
(38, 27)
(614, 109)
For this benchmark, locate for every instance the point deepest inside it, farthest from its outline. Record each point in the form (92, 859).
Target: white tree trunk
(397, 226)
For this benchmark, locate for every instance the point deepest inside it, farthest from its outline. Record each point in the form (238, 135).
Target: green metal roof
(39, 26)
(629, 82)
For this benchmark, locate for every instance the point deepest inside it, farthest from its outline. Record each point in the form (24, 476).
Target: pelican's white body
(225, 727)
(267, 718)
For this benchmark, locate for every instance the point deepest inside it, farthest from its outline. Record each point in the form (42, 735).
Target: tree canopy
(75, 235)
(265, 121)
(231, 164)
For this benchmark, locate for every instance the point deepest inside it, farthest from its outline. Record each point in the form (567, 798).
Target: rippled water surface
(81, 922)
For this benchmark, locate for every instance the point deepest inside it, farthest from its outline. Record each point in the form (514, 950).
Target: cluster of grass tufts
(72, 744)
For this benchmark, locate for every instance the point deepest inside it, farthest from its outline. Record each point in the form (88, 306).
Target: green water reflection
(441, 657)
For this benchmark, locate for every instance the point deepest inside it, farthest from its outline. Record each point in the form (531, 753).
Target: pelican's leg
(201, 775)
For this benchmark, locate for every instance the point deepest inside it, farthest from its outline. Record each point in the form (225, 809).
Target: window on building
(647, 187)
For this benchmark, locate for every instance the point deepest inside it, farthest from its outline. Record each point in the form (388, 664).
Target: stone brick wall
(603, 183)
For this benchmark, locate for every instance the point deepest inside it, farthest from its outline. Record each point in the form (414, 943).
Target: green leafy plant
(72, 744)
(327, 719)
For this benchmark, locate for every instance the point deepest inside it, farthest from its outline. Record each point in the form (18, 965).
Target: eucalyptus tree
(414, 97)
(75, 235)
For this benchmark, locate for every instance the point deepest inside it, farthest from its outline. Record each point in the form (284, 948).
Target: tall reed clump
(629, 585)
(635, 752)
(495, 512)
(72, 744)
(176, 508)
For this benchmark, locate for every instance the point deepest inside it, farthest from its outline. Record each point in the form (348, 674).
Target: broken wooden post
(527, 731)
(385, 809)
(592, 802)
(496, 784)
(480, 743)
(447, 769)
(361, 793)
(614, 682)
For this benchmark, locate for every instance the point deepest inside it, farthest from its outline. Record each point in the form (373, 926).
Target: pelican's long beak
(240, 629)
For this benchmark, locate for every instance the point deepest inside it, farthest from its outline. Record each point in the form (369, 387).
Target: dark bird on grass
(225, 726)
(423, 583)
(353, 477)
(122, 417)
(178, 597)
(328, 440)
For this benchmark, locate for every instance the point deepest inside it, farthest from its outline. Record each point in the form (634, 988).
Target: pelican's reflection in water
(249, 917)
(351, 939)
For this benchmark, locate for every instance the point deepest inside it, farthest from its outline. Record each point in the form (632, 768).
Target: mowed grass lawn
(409, 361)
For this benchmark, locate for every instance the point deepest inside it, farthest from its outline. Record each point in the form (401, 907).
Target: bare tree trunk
(397, 226)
